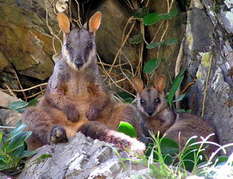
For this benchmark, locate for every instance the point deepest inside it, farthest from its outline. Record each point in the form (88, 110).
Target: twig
(27, 89)
(7, 127)
(123, 43)
(9, 90)
(177, 69)
(187, 87)
(109, 76)
(36, 94)
(78, 21)
(140, 62)
(21, 87)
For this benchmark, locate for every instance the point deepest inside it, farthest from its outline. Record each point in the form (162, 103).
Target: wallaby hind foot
(58, 135)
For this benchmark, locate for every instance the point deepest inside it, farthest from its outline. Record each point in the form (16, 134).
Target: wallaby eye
(89, 45)
(156, 100)
(142, 101)
(68, 45)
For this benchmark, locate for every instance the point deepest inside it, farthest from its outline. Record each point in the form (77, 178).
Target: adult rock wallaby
(75, 99)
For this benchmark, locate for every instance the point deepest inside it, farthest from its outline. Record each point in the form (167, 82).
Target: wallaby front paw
(58, 135)
(71, 112)
(92, 114)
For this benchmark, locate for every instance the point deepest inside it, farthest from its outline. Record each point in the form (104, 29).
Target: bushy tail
(97, 130)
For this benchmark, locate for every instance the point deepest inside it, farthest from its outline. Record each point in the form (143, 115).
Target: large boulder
(81, 158)
(25, 41)
(208, 60)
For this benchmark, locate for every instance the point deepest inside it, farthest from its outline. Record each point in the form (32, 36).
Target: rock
(229, 3)
(6, 99)
(24, 39)
(81, 158)
(109, 37)
(227, 17)
(3, 61)
(9, 117)
(209, 59)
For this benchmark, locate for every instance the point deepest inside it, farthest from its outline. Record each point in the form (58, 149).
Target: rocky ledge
(81, 158)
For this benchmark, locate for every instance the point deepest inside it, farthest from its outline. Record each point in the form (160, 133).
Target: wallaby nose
(79, 63)
(150, 112)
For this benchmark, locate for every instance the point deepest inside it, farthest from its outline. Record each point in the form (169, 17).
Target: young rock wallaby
(75, 99)
(158, 117)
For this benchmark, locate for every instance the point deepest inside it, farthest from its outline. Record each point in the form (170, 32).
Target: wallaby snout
(150, 111)
(79, 62)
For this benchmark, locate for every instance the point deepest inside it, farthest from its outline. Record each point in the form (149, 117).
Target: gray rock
(212, 70)
(109, 37)
(227, 19)
(9, 117)
(229, 3)
(6, 99)
(81, 158)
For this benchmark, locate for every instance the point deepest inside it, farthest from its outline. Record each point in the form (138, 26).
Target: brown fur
(75, 100)
(179, 127)
(184, 129)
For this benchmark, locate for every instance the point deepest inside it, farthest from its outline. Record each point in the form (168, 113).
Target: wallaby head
(150, 100)
(79, 48)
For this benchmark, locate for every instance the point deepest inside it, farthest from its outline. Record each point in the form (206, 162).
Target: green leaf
(127, 129)
(154, 45)
(136, 39)
(18, 105)
(18, 153)
(27, 154)
(128, 98)
(153, 18)
(169, 146)
(18, 141)
(170, 42)
(179, 98)
(175, 86)
(19, 129)
(151, 65)
(163, 43)
(222, 159)
(169, 149)
(42, 158)
(33, 102)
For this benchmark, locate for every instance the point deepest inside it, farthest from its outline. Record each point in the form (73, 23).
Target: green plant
(127, 129)
(20, 105)
(175, 86)
(153, 18)
(165, 160)
(13, 149)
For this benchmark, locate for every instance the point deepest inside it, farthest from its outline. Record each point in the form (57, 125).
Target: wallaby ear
(160, 83)
(95, 21)
(63, 22)
(137, 84)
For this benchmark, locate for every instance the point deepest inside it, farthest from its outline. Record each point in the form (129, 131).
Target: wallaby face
(79, 48)
(150, 101)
